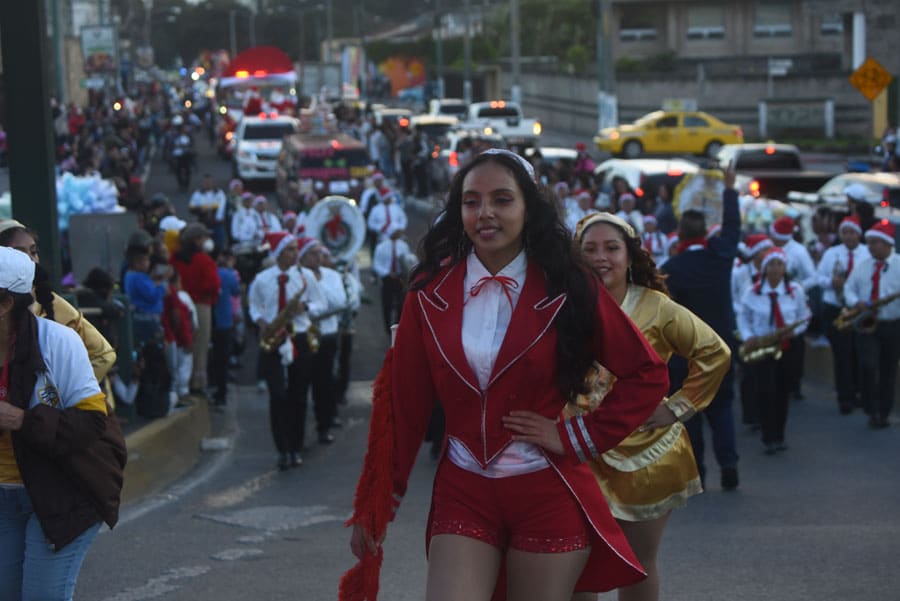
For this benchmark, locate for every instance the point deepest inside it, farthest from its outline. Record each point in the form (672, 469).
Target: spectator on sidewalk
(223, 325)
(179, 321)
(209, 204)
(145, 292)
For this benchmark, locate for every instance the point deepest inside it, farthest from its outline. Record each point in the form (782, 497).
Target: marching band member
(268, 221)
(504, 331)
(209, 204)
(628, 212)
(349, 272)
(310, 253)
(388, 264)
(653, 470)
(653, 240)
(246, 225)
(370, 197)
(385, 215)
(836, 265)
(872, 280)
(772, 304)
(291, 292)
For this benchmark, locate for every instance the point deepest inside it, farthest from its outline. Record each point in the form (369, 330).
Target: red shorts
(535, 512)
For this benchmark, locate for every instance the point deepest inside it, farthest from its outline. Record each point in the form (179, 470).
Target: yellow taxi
(664, 132)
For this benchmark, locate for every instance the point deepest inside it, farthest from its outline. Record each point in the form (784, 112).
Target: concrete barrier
(164, 450)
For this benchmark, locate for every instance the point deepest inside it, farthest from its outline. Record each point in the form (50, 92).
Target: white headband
(525, 164)
(593, 218)
(16, 270)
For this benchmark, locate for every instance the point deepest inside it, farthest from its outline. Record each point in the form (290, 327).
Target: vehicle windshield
(649, 118)
(454, 110)
(498, 112)
(434, 131)
(268, 131)
(760, 159)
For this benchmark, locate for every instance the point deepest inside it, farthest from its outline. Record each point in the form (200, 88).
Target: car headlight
(354, 182)
(614, 135)
(537, 128)
(319, 185)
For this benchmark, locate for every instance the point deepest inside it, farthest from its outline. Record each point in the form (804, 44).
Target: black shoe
(326, 438)
(296, 460)
(284, 462)
(771, 449)
(729, 478)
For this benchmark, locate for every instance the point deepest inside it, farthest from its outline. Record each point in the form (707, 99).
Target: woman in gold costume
(653, 470)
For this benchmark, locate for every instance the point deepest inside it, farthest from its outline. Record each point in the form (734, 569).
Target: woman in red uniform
(502, 322)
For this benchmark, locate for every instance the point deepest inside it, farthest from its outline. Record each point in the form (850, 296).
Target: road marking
(235, 554)
(238, 494)
(161, 585)
(275, 518)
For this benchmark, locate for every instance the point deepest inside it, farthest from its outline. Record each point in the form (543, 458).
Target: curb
(164, 450)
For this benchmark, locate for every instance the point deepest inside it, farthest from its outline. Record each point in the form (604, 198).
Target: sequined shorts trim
(521, 543)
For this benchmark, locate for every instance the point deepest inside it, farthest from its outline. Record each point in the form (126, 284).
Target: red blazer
(429, 362)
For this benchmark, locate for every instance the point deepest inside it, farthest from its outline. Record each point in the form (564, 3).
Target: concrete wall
(569, 104)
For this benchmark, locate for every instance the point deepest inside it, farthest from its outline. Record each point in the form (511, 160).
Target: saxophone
(283, 325)
(864, 320)
(769, 345)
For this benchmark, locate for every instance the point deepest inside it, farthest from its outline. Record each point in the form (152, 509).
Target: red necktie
(778, 317)
(876, 280)
(393, 257)
(849, 263)
(282, 291)
(387, 219)
(506, 282)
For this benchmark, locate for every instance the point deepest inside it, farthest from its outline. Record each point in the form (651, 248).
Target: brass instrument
(283, 325)
(863, 320)
(312, 337)
(769, 345)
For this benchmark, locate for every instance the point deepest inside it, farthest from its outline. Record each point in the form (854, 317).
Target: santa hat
(246, 196)
(851, 222)
(304, 245)
(783, 228)
(385, 193)
(883, 230)
(714, 231)
(288, 215)
(278, 241)
(772, 255)
(377, 175)
(234, 184)
(627, 196)
(583, 194)
(259, 200)
(648, 219)
(561, 188)
(756, 243)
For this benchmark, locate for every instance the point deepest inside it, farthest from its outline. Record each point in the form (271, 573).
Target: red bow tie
(506, 282)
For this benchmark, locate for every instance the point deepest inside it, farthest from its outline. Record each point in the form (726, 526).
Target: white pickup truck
(504, 118)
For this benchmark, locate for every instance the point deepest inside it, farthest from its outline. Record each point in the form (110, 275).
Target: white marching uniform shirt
(369, 195)
(655, 243)
(800, 266)
(263, 295)
(269, 223)
(837, 256)
(209, 200)
(743, 277)
(246, 226)
(755, 317)
(386, 215)
(859, 285)
(332, 287)
(381, 260)
(486, 317)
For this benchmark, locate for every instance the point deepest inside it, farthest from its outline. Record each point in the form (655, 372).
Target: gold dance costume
(653, 472)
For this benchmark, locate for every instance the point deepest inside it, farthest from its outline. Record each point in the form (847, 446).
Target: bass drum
(338, 223)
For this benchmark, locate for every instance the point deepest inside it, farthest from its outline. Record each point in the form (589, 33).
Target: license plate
(339, 187)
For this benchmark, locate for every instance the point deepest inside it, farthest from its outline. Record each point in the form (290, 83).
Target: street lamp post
(467, 61)
(232, 34)
(329, 29)
(516, 92)
(439, 49)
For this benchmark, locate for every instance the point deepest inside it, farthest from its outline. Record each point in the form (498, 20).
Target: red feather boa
(373, 503)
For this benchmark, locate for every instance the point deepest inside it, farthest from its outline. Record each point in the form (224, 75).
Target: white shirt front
(263, 295)
(385, 251)
(836, 259)
(269, 222)
(386, 215)
(369, 195)
(655, 243)
(209, 200)
(800, 267)
(332, 287)
(859, 285)
(246, 226)
(743, 277)
(755, 317)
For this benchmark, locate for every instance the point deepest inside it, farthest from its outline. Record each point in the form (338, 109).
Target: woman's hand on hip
(528, 426)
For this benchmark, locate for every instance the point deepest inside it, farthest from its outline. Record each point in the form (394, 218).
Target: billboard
(98, 47)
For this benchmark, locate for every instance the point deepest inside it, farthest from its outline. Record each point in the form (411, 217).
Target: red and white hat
(851, 222)
(783, 228)
(260, 200)
(304, 245)
(671, 240)
(288, 215)
(883, 230)
(376, 175)
(649, 219)
(773, 254)
(756, 243)
(384, 193)
(278, 241)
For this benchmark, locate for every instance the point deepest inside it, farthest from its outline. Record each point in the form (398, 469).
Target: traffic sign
(870, 79)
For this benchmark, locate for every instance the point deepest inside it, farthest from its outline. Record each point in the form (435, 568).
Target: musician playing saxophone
(288, 290)
(771, 305)
(872, 280)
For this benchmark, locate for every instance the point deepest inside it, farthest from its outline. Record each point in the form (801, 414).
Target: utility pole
(516, 92)
(439, 48)
(607, 110)
(252, 28)
(329, 29)
(232, 33)
(58, 52)
(467, 53)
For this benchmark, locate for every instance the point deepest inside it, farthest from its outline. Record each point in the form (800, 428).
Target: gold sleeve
(102, 355)
(709, 359)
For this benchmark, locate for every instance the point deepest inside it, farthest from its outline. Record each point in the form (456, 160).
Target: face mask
(208, 245)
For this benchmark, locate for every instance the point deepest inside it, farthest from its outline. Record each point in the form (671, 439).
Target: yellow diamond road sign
(870, 79)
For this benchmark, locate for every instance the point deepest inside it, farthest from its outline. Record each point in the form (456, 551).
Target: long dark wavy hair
(548, 244)
(643, 267)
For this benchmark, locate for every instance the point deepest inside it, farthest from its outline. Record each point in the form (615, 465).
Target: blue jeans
(30, 569)
(720, 417)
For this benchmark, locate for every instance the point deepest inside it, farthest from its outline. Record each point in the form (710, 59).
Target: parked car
(395, 116)
(669, 132)
(644, 176)
(882, 190)
(322, 164)
(434, 127)
(449, 107)
(774, 169)
(258, 143)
